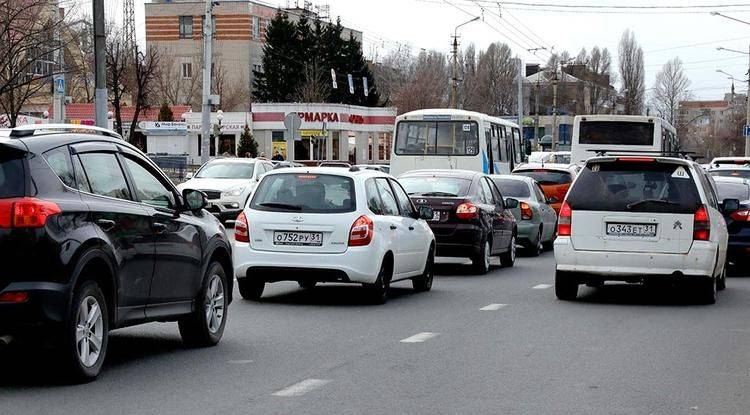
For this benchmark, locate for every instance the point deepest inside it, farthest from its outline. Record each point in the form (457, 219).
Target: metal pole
(100, 65)
(58, 102)
(206, 105)
(554, 111)
(520, 92)
(454, 79)
(536, 112)
(747, 119)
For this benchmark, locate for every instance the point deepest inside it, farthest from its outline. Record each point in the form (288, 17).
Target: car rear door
(634, 205)
(491, 209)
(415, 242)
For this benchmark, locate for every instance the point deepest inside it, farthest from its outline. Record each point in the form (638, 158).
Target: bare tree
(175, 86)
(671, 87)
(118, 65)
(79, 61)
(315, 88)
(231, 95)
(27, 49)
(426, 84)
(467, 93)
(632, 73)
(143, 70)
(392, 73)
(496, 74)
(600, 65)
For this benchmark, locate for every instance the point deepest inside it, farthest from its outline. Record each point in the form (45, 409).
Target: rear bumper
(47, 305)
(739, 246)
(624, 266)
(528, 231)
(463, 242)
(356, 265)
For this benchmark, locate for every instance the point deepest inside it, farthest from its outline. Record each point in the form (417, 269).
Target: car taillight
(467, 211)
(565, 220)
(636, 159)
(241, 233)
(526, 213)
(361, 231)
(741, 215)
(26, 212)
(701, 225)
(14, 297)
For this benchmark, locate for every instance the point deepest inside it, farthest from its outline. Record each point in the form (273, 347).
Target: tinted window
(12, 175)
(105, 175)
(539, 194)
(82, 182)
(547, 177)
(727, 190)
(457, 138)
(513, 188)
(304, 192)
(390, 206)
(59, 160)
(485, 193)
(219, 170)
(373, 198)
(635, 187)
(616, 132)
(743, 173)
(407, 209)
(435, 186)
(148, 188)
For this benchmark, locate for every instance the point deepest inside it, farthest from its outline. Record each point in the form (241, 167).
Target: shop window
(227, 145)
(384, 146)
(278, 143)
(212, 147)
(336, 145)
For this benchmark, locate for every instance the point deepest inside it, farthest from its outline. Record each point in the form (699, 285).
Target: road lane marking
(541, 286)
(239, 362)
(419, 337)
(492, 307)
(301, 388)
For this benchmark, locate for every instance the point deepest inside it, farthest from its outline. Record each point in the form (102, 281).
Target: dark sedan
(471, 219)
(738, 221)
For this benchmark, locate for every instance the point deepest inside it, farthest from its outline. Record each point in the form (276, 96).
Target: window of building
(278, 142)
(336, 145)
(187, 70)
(186, 27)
(256, 27)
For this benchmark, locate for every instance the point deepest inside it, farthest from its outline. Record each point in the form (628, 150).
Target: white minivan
(641, 219)
(320, 224)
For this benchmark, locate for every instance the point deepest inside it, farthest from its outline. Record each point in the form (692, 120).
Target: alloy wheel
(214, 304)
(89, 331)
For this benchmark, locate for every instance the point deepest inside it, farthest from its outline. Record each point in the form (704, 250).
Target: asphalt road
(617, 350)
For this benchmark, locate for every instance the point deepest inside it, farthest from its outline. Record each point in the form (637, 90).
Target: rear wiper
(640, 202)
(438, 194)
(281, 206)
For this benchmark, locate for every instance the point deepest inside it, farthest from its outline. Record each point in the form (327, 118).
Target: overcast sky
(691, 34)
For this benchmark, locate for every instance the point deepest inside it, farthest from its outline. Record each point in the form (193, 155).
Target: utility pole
(747, 119)
(100, 65)
(208, 32)
(536, 98)
(58, 101)
(454, 52)
(554, 110)
(520, 93)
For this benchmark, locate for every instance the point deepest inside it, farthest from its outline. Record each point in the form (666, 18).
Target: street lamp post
(454, 79)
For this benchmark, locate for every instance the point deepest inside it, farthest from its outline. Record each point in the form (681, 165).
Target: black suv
(94, 237)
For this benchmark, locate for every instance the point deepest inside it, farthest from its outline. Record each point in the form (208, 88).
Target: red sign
(331, 117)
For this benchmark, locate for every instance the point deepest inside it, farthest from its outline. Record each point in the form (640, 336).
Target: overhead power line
(619, 6)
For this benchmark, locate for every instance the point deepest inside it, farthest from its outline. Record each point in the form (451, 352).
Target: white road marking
(419, 337)
(301, 388)
(239, 362)
(492, 307)
(541, 286)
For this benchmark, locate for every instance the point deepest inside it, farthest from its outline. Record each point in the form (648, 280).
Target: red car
(554, 179)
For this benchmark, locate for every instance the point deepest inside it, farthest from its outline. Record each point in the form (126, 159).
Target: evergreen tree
(282, 73)
(247, 143)
(165, 113)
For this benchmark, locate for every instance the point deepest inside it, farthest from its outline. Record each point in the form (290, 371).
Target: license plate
(435, 216)
(638, 230)
(298, 238)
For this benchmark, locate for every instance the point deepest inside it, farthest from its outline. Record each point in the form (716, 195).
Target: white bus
(455, 139)
(620, 132)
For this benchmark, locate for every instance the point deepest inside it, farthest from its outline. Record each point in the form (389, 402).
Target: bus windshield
(616, 133)
(450, 138)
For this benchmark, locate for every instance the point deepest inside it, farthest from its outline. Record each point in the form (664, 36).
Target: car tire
(721, 283)
(204, 327)
(423, 282)
(508, 258)
(86, 327)
(481, 261)
(307, 285)
(378, 291)
(706, 290)
(250, 289)
(566, 287)
(536, 248)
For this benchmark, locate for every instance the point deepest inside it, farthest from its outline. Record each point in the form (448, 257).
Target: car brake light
(14, 297)
(565, 220)
(636, 159)
(241, 233)
(26, 212)
(361, 231)
(467, 211)
(526, 212)
(741, 215)
(701, 225)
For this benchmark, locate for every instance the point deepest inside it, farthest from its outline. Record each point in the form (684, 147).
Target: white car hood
(220, 185)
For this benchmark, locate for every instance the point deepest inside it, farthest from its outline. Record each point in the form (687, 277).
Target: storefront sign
(312, 133)
(163, 125)
(331, 117)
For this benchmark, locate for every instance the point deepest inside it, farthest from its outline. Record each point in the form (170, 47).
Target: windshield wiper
(437, 194)
(281, 206)
(630, 206)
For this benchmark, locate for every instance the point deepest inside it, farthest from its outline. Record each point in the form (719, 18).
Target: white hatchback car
(321, 224)
(642, 219)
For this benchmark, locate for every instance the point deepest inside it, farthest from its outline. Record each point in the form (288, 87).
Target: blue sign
(60, 86)
(746, 131)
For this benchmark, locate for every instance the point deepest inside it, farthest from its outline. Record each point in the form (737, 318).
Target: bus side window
(489, 147)
(495, 147)
(502, 142)
(516, 146)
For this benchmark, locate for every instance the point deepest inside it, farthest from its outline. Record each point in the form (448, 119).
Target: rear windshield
(12, 178)
(218, 170)
(435, 186)
(547, 177)
(512, 188)
(635, 187)
(616, 132)
(743, 173)
(726, 190)
(457, 138)
(305, 192)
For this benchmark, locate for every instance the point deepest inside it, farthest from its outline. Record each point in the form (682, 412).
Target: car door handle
(159, 227)
(394, 227)
(105, 224)
(411, 228)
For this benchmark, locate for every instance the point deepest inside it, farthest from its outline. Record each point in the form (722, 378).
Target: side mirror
(527, 147)
(189, 175)
(426, 213)
(552, 200)
(730, 205)
(195, 200)
(511, 203)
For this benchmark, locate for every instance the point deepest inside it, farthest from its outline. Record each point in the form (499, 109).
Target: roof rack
(692, 155)
(31, 130)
